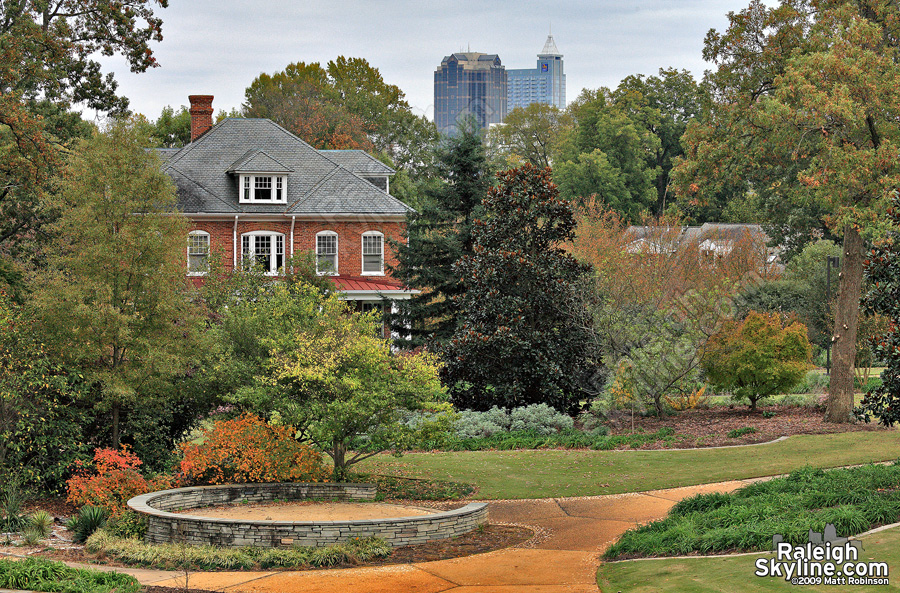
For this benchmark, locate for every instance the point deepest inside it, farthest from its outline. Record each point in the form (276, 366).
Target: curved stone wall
(165, 526)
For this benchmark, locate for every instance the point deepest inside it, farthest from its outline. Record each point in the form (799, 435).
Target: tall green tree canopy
(440, 234)
(524, 335)
(619, 146)
(663, 105)
(806, 113)
(114, 300)
(528, 135)
(605, 155)
(346, 104)
(46, 66)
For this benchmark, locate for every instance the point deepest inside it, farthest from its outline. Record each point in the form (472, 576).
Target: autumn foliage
(247, 449)
(663, 267)
(760, 356)
(111, 480)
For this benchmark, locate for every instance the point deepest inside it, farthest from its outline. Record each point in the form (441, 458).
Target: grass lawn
(550, 473)
(727, 574)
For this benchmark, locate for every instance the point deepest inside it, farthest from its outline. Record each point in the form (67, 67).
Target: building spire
(550, 47)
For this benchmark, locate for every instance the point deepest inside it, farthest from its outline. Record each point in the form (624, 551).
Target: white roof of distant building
(550, 48)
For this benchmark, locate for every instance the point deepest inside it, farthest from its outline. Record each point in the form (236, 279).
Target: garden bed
(711, 427)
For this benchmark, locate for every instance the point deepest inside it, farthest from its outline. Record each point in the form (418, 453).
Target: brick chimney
(201, 114)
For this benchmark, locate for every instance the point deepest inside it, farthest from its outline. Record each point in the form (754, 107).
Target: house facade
(257, 194)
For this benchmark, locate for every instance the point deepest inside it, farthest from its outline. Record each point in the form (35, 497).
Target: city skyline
(218, 48)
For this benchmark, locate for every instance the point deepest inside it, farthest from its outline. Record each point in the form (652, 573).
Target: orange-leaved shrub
(247, 449)
(111, 480)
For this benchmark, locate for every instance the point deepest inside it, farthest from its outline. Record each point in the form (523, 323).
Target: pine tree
(524, 335)
(438, 236)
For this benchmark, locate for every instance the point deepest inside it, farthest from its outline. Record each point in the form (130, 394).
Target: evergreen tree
(438, 236)
(524, 335)
(883, 270)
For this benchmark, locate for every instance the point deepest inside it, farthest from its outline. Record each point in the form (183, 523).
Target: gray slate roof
(358, 161)
(205, 174)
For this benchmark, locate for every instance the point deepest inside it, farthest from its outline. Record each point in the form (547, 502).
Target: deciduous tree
(114, 300)
(806, 112)
(338, 382)
(757, 357)
(46, 58)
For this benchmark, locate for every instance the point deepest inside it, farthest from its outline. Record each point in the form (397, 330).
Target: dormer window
(261, 178)
(263, 189)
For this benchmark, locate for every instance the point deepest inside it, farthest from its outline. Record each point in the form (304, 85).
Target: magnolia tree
(523, 335)
(883, 270)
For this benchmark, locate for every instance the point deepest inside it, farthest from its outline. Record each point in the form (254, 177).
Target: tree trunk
(846, 319)
(338, 456)
(115, 426)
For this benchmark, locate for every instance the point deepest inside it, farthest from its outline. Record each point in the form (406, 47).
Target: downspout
(235, 243)
(293, 222)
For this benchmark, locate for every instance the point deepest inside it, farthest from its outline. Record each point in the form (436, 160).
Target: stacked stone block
(165, 526)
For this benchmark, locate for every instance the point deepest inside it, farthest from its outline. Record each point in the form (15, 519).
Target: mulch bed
(710, 427)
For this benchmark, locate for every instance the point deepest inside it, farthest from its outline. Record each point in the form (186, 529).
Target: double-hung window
(198, 253)
(265, 249)
(373, 253)
(263, 189)
(326, 252)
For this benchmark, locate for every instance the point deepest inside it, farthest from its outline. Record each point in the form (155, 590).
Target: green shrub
(168, 556)
(42, 522)
(88, 520)
(38, 574)
(12, 497)
(813, 382)
(537, 418)
(471, 424)
(127, 524)
(853, 500)
(739, 432)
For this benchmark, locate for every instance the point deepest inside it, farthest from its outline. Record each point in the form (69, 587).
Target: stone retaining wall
(165, 526)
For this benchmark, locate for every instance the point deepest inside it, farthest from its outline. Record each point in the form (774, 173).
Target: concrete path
(572, 533)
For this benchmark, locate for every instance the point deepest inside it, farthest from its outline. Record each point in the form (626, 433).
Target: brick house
(254, 191)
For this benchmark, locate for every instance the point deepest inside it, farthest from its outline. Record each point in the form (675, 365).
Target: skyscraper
(469, 84)
(544, 84)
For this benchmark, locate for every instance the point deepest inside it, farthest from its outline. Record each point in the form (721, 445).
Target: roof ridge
(314, 188)
(370, 185)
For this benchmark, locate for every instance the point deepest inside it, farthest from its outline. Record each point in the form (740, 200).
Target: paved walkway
(572, 533)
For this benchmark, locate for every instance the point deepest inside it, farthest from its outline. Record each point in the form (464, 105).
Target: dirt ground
(710, 427)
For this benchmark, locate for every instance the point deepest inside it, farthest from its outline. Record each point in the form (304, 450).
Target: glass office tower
(544, 84)
(469, 84)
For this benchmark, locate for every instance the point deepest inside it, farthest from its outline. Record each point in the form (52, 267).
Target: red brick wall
(349, 238)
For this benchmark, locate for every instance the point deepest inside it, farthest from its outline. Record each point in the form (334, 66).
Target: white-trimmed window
(198, 253)
(265, 248)
(326, 253)
(373, 253)
(263, 189)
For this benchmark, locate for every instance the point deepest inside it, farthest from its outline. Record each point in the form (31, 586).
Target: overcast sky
(218, 47)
